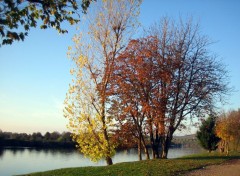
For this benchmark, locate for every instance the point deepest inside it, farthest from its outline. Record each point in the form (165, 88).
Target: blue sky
(34, 74)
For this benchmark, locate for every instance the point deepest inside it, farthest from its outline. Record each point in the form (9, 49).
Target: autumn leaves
(139, 90)
(228, 129)
(88, 101)
(164, 79)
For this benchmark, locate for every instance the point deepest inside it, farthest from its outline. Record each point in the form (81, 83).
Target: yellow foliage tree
(87, 102)
(228, 129)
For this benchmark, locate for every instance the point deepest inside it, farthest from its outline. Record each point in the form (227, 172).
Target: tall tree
(18, 16)
(206, 134)
(195, 79)
(132, 83)
(174, 76)
(110, 24)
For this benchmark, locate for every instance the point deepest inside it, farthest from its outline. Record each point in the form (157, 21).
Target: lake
(15, 161)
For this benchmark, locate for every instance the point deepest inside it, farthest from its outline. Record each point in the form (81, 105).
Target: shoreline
(165, 167)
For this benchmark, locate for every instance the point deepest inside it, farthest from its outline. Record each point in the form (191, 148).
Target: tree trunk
(139, 149)
(145, 149)
(157, 151)
(164, 151)
(156, 147)
(146, 152)
(153, 153)
(161, 129)
(109, 160)
(160, 149)
(152, 140)
(227, 148)
(105, 134)
(165, 146)
(221, 146)
(154, 144)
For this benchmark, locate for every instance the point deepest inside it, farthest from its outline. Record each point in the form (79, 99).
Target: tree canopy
(88, 100)
(18, 16)
(228, 129)
(207, 135)
(166, 78)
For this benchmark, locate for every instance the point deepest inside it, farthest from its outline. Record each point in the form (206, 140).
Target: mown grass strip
(168, 167)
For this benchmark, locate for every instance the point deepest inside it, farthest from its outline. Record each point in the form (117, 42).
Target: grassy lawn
(168, 167)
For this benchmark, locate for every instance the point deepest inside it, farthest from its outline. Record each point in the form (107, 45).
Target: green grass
(168, 167)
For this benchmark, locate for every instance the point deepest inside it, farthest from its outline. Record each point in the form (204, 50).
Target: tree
(88, 100)
(206, 134)
(18, 16)
(54, 136)
(174, 76)
(193, 78)
(65, 137)
(1, 135)
(36, 136)
(132, 82)
(47, 136)
(228, 129)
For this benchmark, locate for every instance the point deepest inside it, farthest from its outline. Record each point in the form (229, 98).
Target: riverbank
(169, 167)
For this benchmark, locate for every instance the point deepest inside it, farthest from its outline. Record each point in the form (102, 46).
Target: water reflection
(16, 151)
(26, 160)
(1, 152)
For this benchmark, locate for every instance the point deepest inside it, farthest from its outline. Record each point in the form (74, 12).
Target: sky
(34, 74)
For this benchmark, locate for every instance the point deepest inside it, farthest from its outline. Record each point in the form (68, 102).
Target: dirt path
(228, 168)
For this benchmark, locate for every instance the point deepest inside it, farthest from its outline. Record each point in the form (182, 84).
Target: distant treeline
(64, 140)
(48, 140)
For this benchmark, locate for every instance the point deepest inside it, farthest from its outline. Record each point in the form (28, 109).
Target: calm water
(26, 160)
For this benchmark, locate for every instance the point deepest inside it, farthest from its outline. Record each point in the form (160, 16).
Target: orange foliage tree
(131, 84)
(166, 78)
(228, 129)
